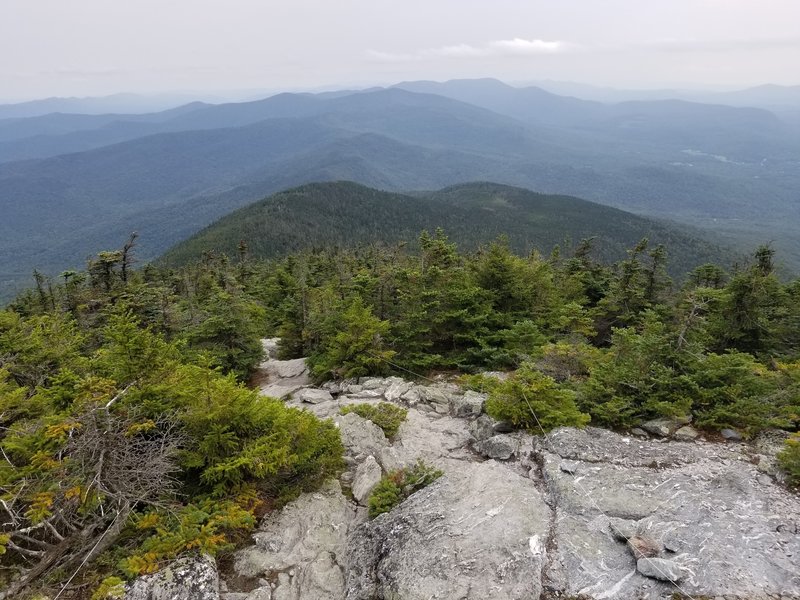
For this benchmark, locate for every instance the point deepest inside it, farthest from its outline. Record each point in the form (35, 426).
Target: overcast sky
(97, 47)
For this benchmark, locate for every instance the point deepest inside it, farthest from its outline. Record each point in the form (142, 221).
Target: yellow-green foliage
(385, 415)
(111, 587)
(789, 459)
(211, 448)
(398, 485)
(203, 527)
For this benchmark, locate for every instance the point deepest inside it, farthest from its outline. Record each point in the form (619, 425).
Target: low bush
(789, 459)
(399, 485)
(385, 415)
(528, 399)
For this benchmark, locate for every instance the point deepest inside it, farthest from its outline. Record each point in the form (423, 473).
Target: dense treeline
(623, 339)
(344, 214)
(126, 438)
(105, 366)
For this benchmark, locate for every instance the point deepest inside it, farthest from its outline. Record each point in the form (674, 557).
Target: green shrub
(385, 415)
(399, 485)
(789, 459)
(110, 587)
(527, 393)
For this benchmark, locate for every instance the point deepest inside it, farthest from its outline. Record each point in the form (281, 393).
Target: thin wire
(550, 447)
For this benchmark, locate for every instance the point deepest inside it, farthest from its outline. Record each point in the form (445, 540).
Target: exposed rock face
(583, 513)
(302, 547)
(282, 377)
(361, 437)
(704, 501)
(192, 578)
(478, 532)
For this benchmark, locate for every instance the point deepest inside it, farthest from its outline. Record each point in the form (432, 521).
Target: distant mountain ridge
(169, 174)
(347, 214)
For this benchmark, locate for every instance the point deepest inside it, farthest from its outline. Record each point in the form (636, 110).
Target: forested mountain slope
(175, 172)
(346, 214)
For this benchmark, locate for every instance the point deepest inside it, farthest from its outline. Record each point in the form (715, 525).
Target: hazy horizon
(90, 48)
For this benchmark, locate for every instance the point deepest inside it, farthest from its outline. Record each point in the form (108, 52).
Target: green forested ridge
(346, 214)
(104, 366)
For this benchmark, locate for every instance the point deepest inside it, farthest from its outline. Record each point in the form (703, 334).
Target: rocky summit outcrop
(299, 552)
(715, 520)
(578, 514)
(185, 579)
(478, 532)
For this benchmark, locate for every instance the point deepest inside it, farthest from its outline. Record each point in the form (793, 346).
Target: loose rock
(501, 447)
(313, 396)
(731, 435)
(482, 428)
(686, 434)
(661, 427)
(660, 568)
(360, 436)
(468, 405)
(367, 476)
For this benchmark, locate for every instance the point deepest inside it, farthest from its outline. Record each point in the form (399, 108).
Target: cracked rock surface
(554, 518)
(476, 533)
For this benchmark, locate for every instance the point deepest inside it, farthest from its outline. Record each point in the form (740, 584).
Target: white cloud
(512, 47)
(521, 46)
(390, 57)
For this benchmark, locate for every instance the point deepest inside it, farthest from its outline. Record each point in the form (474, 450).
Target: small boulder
(334, 387)
(731, 435)
(660, 568)
(661, 427)
(672, 543)
(638, 432)
(468, 405)
(360, 436)
(569, 466)
(190, 578)
(438, 399)
(412, 397)
(313, 396)
(373, 384)
(288, 369)
(687, 433)
(499, 447)
(622, 529)
(503, 427)
(643, 547)
(482, 428)
(396, 390)
(367, 476)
